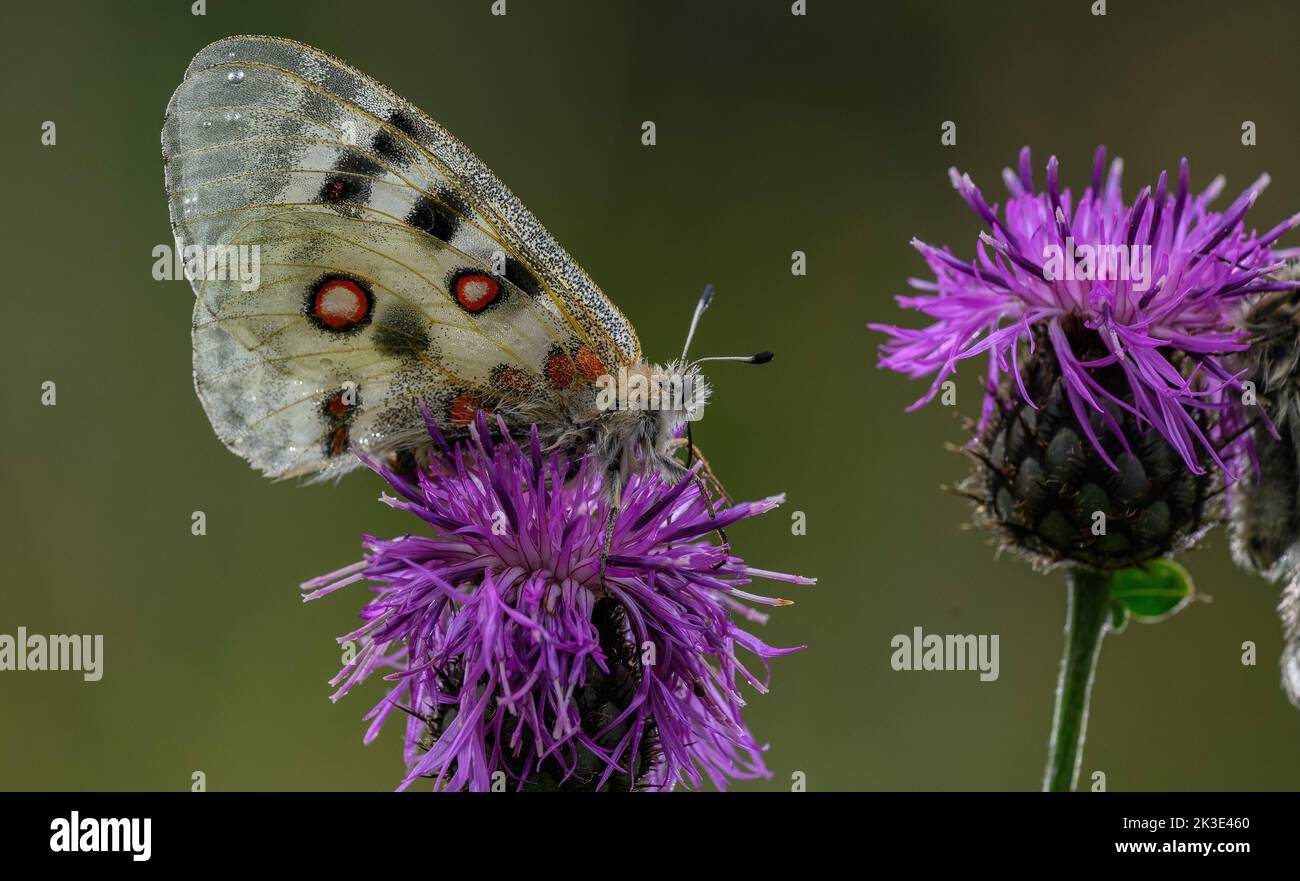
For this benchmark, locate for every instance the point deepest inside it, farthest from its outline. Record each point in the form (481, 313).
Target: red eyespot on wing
(465, 408)
(340, 303)
(559, 369)
(476, 291)
(589, 365)
(338, 441)
(337, 407)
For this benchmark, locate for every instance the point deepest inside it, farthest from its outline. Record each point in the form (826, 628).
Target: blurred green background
(775, 133)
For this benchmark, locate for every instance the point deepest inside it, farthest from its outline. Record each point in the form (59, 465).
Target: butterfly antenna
(705, 299)
(760, 358)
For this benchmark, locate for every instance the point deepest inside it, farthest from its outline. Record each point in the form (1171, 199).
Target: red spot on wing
(512, 379)
(337, 407)
(476, 291)
(464, 408)
(338, 441)
(559, 369)
(340, 303)
(589, 364)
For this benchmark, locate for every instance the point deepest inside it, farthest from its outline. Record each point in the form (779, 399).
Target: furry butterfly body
(396, 274)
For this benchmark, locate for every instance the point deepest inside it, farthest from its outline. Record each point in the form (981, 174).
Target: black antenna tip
(761, 358)
(707, 297)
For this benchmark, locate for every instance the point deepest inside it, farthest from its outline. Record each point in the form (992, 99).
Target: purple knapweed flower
(517, 667)
(1148, 289)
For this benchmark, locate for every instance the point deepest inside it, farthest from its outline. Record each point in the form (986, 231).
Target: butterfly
(396, 277)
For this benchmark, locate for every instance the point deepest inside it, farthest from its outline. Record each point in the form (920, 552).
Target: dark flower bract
(1115, 402)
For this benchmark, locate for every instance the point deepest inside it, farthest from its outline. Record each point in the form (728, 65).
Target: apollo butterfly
(396, 271)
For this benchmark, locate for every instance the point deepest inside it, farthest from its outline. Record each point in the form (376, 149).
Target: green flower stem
(1085, 624)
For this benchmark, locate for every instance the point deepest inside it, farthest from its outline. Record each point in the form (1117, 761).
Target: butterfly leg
(693, 453)
(722, 533)
(679, 472)
(708, 472)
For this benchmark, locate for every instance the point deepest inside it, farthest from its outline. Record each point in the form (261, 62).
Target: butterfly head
(683, 393)
(648, 408)
(645, 410)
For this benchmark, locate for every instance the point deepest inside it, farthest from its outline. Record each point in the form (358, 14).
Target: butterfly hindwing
(394, 268)
(344, 300)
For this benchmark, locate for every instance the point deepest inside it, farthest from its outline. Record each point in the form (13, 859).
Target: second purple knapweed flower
(1128, 378)
(517, 667)
(1110, 331)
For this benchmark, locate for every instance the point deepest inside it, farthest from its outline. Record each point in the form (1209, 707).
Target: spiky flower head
(1109, 332)
(516, 665)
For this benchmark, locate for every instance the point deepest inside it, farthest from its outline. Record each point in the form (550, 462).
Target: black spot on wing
(440, 217)
(390, 146)
(521, 278)
(402, 332)
(350, 184)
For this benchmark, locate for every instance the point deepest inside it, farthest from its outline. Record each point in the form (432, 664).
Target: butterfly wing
(356, 260)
